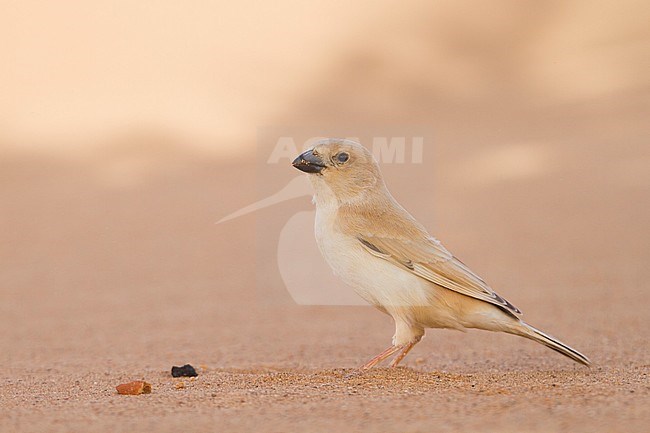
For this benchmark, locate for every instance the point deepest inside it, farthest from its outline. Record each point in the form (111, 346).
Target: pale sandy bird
(390, 260)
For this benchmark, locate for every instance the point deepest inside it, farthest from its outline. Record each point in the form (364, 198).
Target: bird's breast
(376, 280)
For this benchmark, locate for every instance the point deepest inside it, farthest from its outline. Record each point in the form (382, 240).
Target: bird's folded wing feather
(429, 259)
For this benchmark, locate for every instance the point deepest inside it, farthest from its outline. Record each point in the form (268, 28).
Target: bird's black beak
(309, 163)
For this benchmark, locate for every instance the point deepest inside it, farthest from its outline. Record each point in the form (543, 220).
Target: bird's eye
(342, 157)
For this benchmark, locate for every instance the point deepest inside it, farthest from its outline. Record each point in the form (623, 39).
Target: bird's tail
(525, 330)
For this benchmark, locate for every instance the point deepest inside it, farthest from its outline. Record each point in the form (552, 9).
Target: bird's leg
(406, 336)
(405, 350)
(383, 355)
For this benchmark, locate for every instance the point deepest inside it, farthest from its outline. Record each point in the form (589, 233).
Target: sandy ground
(113, 270)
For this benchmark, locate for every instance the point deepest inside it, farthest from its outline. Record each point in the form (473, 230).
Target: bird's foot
(403, 352)
(379, 358)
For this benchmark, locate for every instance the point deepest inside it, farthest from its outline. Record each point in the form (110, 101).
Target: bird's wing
(429, 259)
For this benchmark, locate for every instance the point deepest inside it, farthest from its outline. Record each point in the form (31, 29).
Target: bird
(389, 259)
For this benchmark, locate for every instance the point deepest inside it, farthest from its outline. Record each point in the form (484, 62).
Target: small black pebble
(185, 371)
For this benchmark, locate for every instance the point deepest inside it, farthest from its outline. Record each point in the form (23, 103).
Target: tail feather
(552, 343)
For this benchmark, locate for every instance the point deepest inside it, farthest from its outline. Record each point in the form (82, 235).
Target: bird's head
(340, 167)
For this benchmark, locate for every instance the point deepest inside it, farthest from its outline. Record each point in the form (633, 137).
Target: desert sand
(104, 284)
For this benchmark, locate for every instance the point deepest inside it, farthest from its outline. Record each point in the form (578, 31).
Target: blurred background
(127, 129)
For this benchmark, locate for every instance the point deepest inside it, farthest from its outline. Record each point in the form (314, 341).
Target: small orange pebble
(134, 388)
(180, 385)
(203, 367)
